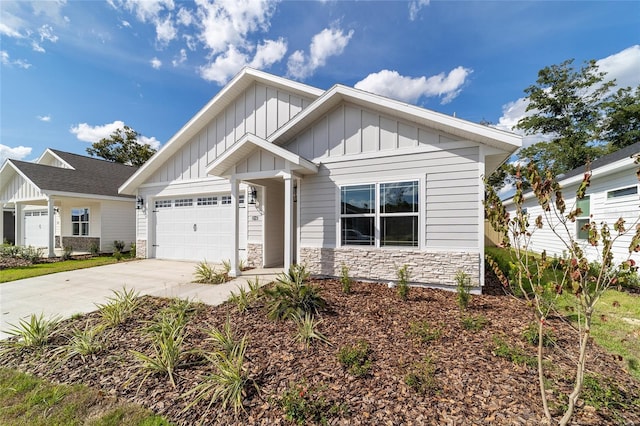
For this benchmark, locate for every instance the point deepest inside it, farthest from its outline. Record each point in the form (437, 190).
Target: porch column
(235, 221)
(52, 227)
(288, 222)
(19, 220)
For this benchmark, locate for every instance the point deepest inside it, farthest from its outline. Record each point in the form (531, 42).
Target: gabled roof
(245, 78)
(247, 144)
(88, 175)
(621, 154)
(445, 123)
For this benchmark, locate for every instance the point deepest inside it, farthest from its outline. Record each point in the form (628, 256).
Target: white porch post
(235, 222)
(19, 220)
(288, 222)
(1, 223)
(52, 227)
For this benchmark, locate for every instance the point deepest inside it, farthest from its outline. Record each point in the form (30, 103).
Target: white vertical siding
(18, 189)
(260, 110)
(351, 130)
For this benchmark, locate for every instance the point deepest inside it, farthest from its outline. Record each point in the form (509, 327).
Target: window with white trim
(207, 201)
(80, 222)
(582, 220)
(622, 192)
(380, 215)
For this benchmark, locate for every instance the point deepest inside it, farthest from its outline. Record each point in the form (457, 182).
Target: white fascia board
(221, 100)
(87, 196)
(247, 144)
(48, 151)
(506, 141)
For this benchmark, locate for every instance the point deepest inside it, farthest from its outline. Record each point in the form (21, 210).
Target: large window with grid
(380, 215)
(80, 222)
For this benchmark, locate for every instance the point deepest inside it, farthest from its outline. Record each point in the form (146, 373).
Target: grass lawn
(38, 269)
(27, 400)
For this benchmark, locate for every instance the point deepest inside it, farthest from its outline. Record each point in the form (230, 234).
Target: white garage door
(197, 228)
(36, 227)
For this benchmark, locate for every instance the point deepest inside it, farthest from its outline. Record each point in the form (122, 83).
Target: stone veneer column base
(425, 267)
(254, 255)
(141, 249)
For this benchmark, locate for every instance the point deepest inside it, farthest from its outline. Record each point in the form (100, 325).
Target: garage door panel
(36, 227)
(210, 239)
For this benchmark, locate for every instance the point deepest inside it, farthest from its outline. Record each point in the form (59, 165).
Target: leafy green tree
(567, 105)
(122, 146)
(622, 123)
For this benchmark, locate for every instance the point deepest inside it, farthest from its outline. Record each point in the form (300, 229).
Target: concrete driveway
(67, 293)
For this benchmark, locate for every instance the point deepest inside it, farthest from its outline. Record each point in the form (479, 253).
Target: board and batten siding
(450, 177)
(19, 189)
(259, 110)
(349, 130)
(602, 210)
(118, 223)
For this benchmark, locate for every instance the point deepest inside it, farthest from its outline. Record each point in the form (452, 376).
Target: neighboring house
(276, 172)
(613, 193)
(65, 200)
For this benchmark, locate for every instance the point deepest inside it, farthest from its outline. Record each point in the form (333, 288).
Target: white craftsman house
(65, 200)
(277, 172)
(613, 193)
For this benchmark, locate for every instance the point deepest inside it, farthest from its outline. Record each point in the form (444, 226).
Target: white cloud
(45, 118)
(152, 141)
(328, 42)
(184, 17)
(182, 58)
(146, 10)
(46, 33)
(92, 134)
(415, 6)
(165, 31)
(622, 66)
(125, 24)
(411, 89)
(268, 53)
(15, 153)
(6, 60)
(156, 63)
(224, 66)
(36, 47)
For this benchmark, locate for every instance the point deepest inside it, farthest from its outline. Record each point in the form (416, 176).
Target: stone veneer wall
(425, 267)
(254, 255)
(80, 243)
(141, 249)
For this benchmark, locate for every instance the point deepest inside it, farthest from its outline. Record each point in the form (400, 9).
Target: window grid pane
(632, 190)
(358, 231)
(585, 206)
(399, 197)
(399, 231)
(358, 199)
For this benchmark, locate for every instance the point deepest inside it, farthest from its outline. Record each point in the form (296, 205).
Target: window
(80, 221)
(583, 218)
(207, 201)
(631, 190)
(184, 202)
(391, 208)
(163, 204)
(226, 199)
(241, 200)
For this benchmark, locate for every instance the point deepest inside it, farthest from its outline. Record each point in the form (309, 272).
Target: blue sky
(73, 71)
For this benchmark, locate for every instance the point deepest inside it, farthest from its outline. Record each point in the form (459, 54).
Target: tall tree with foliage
(622, 118)
(122, 146)
(567, 105)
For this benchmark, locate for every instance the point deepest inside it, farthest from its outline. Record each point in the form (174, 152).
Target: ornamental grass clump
(84, 342)
(345, 279)
(291, 295)
(119, 307)
(403, 282)
(463, 290)
(307, 332)
(35, 332)
(207, 274)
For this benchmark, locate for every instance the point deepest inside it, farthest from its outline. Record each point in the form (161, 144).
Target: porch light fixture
(56, 210)
(253, 194)
(139, 203)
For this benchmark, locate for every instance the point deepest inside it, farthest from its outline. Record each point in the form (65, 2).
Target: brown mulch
(474, 386)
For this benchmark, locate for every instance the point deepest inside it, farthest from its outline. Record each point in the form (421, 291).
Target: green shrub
(35, 332)
(84, 342)
(474, 323)
(602, 392)
(94, 248)
(118, 308)
(292, 295)
(207, 274)
(304, 405)
(224, 340)
(243, 299)
(345, 280)
(306, 330)
(356, 358)
(531, 336)
(424, 331)
(514, 354)
(132, 252)
(463, 289)
(403, 282)
(118, 245)
(421, 377)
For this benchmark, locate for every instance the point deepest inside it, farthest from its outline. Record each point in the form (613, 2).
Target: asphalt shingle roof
(91, 175)
(625, 152)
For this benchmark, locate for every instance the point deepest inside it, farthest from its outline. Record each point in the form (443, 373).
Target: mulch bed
(474, 385)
